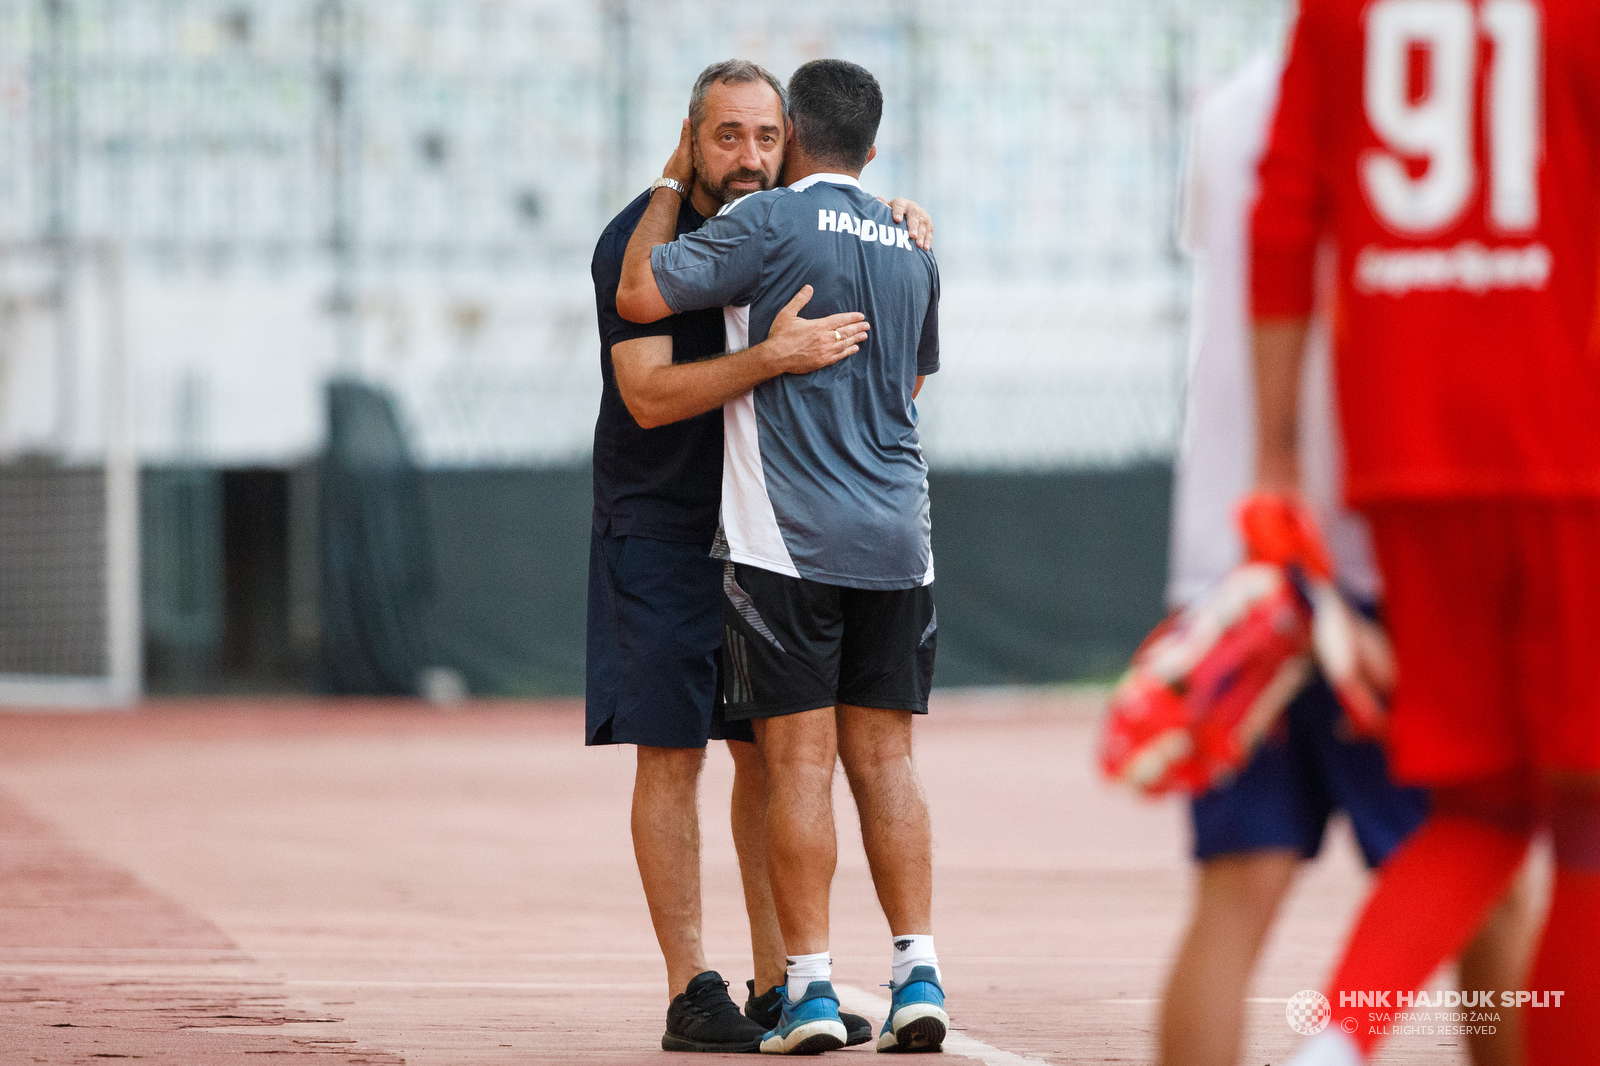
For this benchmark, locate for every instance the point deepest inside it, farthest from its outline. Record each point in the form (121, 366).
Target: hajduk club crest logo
(1308, 1012)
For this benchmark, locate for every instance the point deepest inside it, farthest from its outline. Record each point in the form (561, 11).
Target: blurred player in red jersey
(1451, 150)
(1252, 834)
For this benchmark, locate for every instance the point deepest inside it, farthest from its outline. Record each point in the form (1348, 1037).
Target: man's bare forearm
(639, 298)
(659, 392)
(1278, 347)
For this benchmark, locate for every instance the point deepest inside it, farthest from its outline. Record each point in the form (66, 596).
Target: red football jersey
(1451, 151)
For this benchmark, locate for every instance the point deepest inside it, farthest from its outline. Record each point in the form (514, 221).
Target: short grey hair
(734, 72)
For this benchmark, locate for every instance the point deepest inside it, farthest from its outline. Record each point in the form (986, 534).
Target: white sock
(803, 969)
(914, 949)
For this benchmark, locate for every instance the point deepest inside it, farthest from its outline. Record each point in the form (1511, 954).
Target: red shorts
(1494, 609)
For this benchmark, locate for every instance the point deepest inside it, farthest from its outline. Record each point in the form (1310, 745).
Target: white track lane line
(859, 999)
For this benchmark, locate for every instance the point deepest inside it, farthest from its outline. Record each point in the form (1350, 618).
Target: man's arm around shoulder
(719, 265)
(639, 298)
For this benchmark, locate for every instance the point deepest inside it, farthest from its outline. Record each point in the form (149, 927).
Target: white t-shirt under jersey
(1216, 461)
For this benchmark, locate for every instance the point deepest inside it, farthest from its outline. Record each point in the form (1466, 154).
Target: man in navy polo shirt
(655, 593)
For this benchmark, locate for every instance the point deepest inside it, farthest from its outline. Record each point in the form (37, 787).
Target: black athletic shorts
(791, 645)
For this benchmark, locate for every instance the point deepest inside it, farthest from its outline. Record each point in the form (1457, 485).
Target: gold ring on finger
(838, 336)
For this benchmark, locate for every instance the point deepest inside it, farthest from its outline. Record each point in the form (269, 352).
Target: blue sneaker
(808, 1027)
(916, 1021)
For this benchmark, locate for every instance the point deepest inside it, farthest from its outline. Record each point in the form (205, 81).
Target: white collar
(832, 179)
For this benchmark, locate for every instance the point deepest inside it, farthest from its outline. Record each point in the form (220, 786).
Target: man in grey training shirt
(829, 625)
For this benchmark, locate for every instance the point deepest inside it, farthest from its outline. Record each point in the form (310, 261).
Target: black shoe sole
(678, 1043)
(921, 1036)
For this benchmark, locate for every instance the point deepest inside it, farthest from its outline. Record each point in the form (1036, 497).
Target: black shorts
(791, 645)
(654, 629)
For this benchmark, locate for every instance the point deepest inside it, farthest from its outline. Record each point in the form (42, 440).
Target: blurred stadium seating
(405, 195)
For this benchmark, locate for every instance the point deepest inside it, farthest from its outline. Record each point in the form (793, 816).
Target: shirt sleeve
(606, 272)
(928, 347)
(718, 265)
(1291, 206)
(616, 329)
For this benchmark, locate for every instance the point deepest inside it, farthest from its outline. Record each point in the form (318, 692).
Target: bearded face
(738, 145)
(733, 183)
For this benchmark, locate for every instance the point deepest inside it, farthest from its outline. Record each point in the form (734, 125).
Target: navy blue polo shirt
(663, 483)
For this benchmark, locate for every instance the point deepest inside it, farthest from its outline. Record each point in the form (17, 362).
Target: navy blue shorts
(655, 626)
(1304, 772)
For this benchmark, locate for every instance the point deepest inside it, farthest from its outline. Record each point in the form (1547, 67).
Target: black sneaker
(764, 1010)
(704, 1018)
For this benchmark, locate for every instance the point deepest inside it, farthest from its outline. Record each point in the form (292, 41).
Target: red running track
(368, 882)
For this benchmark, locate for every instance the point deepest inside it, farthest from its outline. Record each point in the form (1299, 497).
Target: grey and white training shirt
(822, 475)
